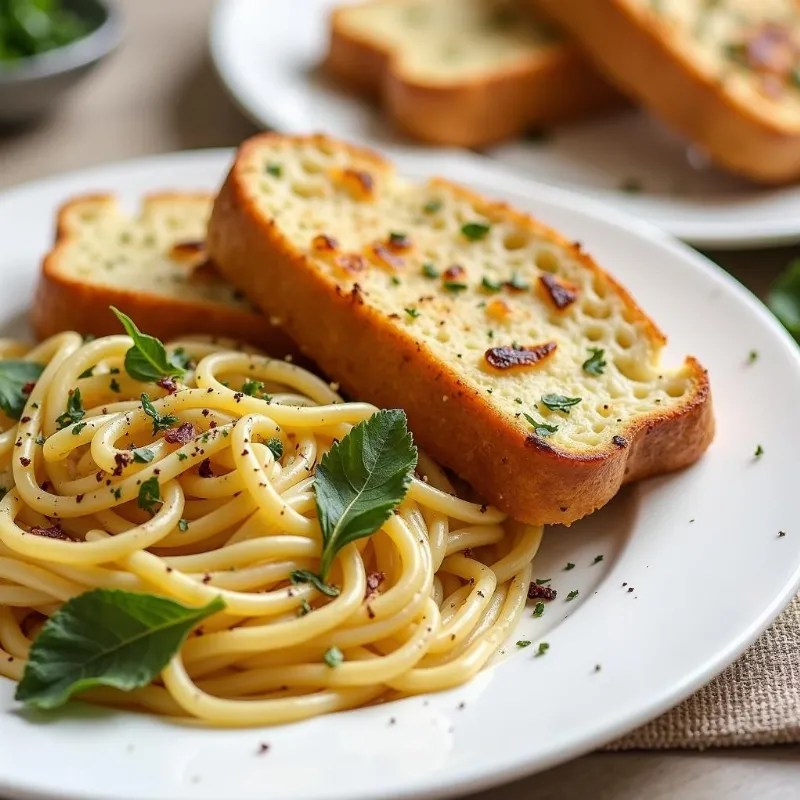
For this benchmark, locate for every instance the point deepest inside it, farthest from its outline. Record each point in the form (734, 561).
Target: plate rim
(435, 786)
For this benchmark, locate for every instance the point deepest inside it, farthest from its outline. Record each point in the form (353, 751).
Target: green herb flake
(598, 559)
(490, 285)
(540, 428)
(306, 576)
(40, 440)
(143, 455)
(518, 400)
(183, 525)
(432, 206)
(759, 452)
(74, 412)
(394, 280)
(455, 286)
(150, 495)
(78, 428)
(474, 231)
(275, 446)
(147, 360)
(117, 493)
(752, 356)
(569, 566)
(106, 637)
(572, 595)
(412, 312)
(87, 373)
(161, 422)
(397, 239)
(333, 657)
(252, 388)
(559, 402)
(429, 271)
(524, 643)
(114, 371)
(114, 385)
(542, 581)
(181, 456)
(516, 283)
(631, 186)
(538, 609)
(594, 365)
(305, 608)
(361, 480)
(542, 649)
(276, 170)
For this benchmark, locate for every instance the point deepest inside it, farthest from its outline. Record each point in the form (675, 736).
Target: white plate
(268, 56)
(700, 549)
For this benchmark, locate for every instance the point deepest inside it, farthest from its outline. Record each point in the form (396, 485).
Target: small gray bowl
(31, 86)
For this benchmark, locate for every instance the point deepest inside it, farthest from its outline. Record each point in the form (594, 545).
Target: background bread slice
(361, 303)
(726, 74)
(153, 267)
(463, 72)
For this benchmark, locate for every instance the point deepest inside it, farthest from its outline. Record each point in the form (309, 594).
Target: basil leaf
(150, 495)
(14, 377)
(147, 360)
(74, 412)
(361, 480)
(305, 576)
(160, 423)
(784, 298)
(106, 637)
(540, 428)
(475, 230)
(558, 402)
(594, 365)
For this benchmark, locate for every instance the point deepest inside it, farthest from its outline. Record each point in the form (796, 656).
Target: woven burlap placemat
(755, 701)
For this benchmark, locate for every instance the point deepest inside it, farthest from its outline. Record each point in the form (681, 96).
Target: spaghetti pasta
(422, 604)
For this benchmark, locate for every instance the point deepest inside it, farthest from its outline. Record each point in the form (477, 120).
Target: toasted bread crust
(376, 360)
(553, 87)
(62, 302)
(644, 65)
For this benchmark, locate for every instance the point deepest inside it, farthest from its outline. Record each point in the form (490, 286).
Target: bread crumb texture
(526, 319)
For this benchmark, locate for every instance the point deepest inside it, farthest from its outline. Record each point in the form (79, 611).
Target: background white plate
(700, 549)
(268, 54)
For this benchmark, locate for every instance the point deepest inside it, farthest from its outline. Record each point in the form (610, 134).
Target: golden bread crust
(376, 359)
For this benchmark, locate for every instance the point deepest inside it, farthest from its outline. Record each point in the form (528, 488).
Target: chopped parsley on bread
(726, 73)
(152, 266)
(521, 364)
(463, 72)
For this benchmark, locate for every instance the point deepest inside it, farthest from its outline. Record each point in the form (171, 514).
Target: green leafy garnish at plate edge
(106, 637)
(14, 376)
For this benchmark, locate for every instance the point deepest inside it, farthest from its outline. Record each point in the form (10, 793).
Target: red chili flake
(237, 396)
(205, 470)
(206, 578)
(54, 532)
(374, 580)
(79, 498)
(27, 388)
(505, 357)
(561, 295)
(263, 748)
(169, 385)
(183, 434)
(370, 612)
(212, 425)
(205, 412)
(25, 461)
(25, 419)
(322, 243)
(454, 272)
(468, 553)
(121, 460)
(536, 592)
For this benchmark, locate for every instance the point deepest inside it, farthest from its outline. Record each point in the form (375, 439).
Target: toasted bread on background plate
(725, 74)
(153, 267)
(521, 364)
(463, 72)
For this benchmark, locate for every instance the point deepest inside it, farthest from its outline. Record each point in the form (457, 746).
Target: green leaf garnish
(490, 285)
(147, 360)
(631, 186)
(143, 455)
(106, 637)
(14, 377)
(252, 388)
(598, 559)
(306, 576)
(517, 283)
(183, 525)
(594, 365)
(542, 581)
(432, 206)
(784, 298)
(569, 566)
(429, 271)
(572, 595)
(275, 447)
(78, 428)
(150, 495)
(160, 421)
(558, 402)
(538, 609)
(540, 428)
(275, 170)
(412, 312)
(475, 230)
(455, 286)
(542, 649)
(333, 657)
(361, 480)
(524, 643)
(74, 412)
(759, 452)
(114, 385)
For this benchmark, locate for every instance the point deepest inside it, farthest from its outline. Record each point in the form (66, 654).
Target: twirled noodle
(451, 575)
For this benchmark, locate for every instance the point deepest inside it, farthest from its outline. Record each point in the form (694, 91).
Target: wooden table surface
(159, 93)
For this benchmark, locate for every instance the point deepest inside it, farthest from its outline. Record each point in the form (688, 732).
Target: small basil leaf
(106, 637)
(595, 364)
(74, 412)
(147, 360)
(558, 402)
(150, 495)
(306, 576)
(160, 422)
(361, 480)
(14, 377)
